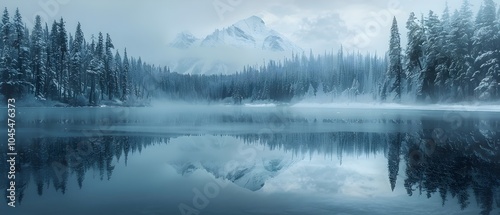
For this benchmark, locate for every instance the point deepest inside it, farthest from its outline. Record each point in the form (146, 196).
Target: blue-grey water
(253, 160)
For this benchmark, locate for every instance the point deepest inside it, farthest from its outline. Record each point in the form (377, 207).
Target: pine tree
(432, 50)
(446, 17)
(100, 55)
(414, 51)
(62, 48)
(38, 62)
(95, 69)
(394, 142)
(124, 77)
(485, 51)
(460, 48)
(109, 68)
(395, 72)
(118, 69)
(5, 61)
(444, 76)
(52, 83)
(137, 77)
(12, 84)
(6, 28)
(20, 46)
(77, 65)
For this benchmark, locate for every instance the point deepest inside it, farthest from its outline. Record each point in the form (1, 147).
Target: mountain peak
(185, 33)
(250, 34)
(252, 24)
(255, 20)
(184, 40)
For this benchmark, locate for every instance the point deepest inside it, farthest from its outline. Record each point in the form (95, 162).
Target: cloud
(322, 31)
(205, 60)
(145, 29)
(356, 177)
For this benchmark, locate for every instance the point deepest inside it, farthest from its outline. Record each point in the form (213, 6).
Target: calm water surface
(244, 160)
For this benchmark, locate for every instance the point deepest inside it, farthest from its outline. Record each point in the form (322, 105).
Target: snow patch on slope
(227, 158)
(250, 33)
(184, 40)
(251, 176)
(227, 50)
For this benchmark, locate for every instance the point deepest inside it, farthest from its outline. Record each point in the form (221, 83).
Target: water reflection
(464, 159)
(50, 161)
(455, 159)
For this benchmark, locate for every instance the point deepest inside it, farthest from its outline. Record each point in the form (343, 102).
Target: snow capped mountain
(250, 33)
(251, 176)
(184, 40)
(227, 50)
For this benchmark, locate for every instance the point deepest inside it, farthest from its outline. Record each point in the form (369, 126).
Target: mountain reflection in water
(457, 160)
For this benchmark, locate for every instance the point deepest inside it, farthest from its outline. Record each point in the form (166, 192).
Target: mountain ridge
(251, 33)
(227, 50)
(251, 176)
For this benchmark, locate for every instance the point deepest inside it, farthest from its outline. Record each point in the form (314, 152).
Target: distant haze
(146, 28)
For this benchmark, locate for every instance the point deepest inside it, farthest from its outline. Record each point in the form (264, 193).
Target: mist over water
(266, 109)
(299, 160)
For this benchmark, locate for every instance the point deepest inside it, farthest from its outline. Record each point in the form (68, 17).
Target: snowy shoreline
(303, 105)
(393, 106)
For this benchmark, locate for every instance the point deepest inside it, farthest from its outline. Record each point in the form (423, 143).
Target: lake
(253, 160)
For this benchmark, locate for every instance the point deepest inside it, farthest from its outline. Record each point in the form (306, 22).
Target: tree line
(452, 58)
(50, 64)
(449, 59)
(331, 74)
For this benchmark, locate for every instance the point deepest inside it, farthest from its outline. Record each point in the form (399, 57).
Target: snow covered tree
(109, 70)
(53, 82)
(460, 48)
(76, 63)
(416, 38)
(432, 50)
(13, 82)
(124, 83)
(446, 17)
(395, 70)
(444, 77)
(5, 61)
(51, 64)
(38, 58)
(99, 56)
(414, 50)
(21, 47)
(6, 29)
(95, 69)
(447, 59)
(486, 45)
(118, 68)
(62, 61)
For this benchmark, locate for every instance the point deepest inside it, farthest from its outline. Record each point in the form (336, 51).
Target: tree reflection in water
(440, 158)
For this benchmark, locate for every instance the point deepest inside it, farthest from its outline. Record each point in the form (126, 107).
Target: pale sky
(146, 27)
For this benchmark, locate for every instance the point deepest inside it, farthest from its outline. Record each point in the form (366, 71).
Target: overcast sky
(146, 27)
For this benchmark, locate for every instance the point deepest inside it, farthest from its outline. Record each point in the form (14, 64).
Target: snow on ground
(260, 105)
(394, 106)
